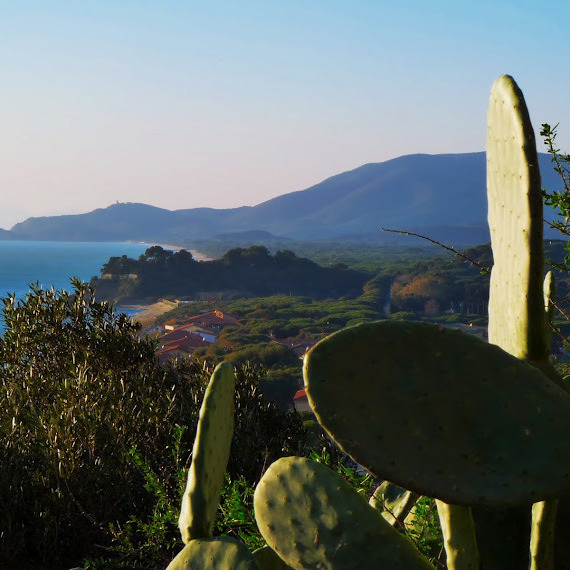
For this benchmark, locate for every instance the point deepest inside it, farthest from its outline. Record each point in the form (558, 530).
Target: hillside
(441, 195)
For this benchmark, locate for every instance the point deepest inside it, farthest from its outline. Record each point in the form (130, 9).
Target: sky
(184, 104)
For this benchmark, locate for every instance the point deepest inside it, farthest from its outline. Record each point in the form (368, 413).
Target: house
(301, 401)
(179, 344)
(214, 320)
(206, 334)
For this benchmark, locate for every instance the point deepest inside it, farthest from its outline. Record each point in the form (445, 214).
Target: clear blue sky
(183, 104)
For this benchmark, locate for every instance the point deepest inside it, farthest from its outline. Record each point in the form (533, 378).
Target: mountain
(441, 195)
(5, 234)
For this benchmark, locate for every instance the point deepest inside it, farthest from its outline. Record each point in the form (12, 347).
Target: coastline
(149, 313)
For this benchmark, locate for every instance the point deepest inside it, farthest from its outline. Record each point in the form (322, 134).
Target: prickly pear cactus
(462, 421)
(520, 311)
(223, 553)
(517, 321)
(313, 519)
(209, 456)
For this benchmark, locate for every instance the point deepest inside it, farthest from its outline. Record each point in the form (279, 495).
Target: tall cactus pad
(461, 421)
(210, 456)
(517, 321)
(214, 554)
(458, 531)
(313, 519)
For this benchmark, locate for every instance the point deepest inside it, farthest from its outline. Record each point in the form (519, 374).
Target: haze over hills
(440, 195)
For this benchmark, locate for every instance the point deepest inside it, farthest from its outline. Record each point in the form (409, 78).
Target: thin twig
(448, 247)
(561, 311)
(83, 511)
(556, 331)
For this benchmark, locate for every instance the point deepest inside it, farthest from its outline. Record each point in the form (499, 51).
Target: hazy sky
(216, 103)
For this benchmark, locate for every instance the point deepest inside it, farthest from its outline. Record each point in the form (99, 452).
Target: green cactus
(496, 442)
(520, 308)
(393, 502)
(517, 320)
(459, 537)
(209, 456)
(267, 559)
(214, 554)
(312, 518)
(433, 410)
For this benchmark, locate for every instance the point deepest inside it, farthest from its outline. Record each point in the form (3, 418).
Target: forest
(239, 273)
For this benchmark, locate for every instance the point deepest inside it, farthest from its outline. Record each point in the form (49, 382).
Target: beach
(149, 313)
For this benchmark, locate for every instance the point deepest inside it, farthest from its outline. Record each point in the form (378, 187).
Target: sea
(54, 263)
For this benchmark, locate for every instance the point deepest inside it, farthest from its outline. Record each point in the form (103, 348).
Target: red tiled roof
(300, 394)
(167, 349)
(212, 318)
(198, 327)
(176, 334)
(190, 340)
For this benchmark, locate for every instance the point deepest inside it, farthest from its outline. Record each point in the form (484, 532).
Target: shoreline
(149, 313)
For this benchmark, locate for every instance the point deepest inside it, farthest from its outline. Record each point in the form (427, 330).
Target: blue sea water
(55, 262)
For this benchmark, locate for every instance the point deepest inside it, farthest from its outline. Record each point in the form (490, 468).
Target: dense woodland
(239, 272)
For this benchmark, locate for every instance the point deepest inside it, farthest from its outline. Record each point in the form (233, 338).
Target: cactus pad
(267, 559)
(393, 502)
(209, 456)
(517, 321)
(313, 519)
(462, 421)
(214, 554)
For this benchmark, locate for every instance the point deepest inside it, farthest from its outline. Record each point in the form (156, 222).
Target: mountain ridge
(439, 194)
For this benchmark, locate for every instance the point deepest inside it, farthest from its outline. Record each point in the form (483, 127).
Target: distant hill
(5, 234)
(439, 195)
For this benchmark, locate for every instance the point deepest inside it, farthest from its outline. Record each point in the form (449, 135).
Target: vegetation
(95, 436)
(239, 272)
(559, 200)
(418, 430)
(369, 255)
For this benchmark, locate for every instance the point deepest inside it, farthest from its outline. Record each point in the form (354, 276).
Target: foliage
(79, 389)
(424, 530)
(263, 432)
(95, 436)
(239, 272)
(559, 200)
(235, 516)
(434, 287)
(280, 385)
(371, 254)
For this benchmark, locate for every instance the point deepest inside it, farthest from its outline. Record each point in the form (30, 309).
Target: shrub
(95, 436)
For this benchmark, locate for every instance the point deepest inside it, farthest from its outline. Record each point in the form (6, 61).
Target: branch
(448, 247)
